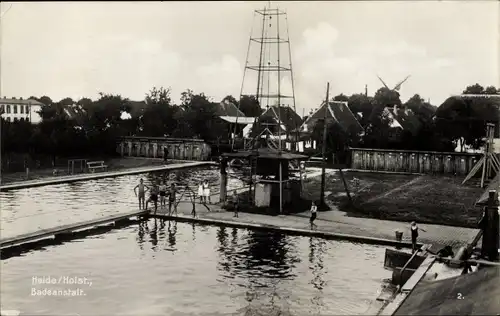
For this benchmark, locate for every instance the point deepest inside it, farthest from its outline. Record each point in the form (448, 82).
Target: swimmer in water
(142, 193)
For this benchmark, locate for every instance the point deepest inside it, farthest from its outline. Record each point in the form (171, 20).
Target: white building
(20, 110)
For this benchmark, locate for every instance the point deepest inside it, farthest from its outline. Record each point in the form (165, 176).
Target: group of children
(157, 192)
(160, 191)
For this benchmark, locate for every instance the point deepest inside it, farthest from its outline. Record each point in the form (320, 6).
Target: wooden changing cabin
(272, 182)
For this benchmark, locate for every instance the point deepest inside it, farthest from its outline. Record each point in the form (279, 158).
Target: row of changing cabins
(426, 162)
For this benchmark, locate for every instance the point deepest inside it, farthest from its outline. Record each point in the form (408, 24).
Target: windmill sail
(398, 86)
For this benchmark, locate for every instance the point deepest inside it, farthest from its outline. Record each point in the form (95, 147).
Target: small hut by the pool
(272, 184)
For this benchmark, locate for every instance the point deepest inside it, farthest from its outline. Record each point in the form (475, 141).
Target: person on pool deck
(163, 194)
(171, 199)
(200, 193)
(193, 200)
(153, 197)
(206, 192)
(314, 210)
(142, 193)
(236, 204)
(414, 235)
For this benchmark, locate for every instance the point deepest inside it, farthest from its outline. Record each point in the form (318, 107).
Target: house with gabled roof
(402, 120)
(285, 119)
(230, 114)
(337, 112)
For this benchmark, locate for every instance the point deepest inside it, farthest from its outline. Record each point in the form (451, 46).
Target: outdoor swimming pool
(162, 268)
(32, 209)
(174, 268)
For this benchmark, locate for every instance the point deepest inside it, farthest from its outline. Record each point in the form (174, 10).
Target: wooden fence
(427, 162)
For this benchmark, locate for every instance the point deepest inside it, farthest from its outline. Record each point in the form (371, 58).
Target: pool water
(29, 210)
(168, 268)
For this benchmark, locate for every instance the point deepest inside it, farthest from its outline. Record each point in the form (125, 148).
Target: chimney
(20, 98)
(14, 98)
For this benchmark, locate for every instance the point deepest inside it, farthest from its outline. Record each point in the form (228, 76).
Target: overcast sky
(77, 49)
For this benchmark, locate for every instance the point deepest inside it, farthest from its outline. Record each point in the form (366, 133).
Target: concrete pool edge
(101, 175)
(287, 230)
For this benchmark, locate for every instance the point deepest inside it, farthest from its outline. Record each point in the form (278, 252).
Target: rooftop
(19, 101)
(475, 293)
(228, 108)
(289, 118)
(339, 112)
(405, 118)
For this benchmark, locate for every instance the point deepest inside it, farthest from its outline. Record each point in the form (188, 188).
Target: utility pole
(323, 178)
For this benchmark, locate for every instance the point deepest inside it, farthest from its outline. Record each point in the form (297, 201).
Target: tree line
(86, 127)
(458, 122)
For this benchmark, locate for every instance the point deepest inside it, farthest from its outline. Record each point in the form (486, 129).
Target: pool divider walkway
(67, 230)
(284, 229)
(332, 224)
(101, 175)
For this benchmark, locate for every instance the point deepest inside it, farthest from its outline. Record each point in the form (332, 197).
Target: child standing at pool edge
(206, 192)
(163, 194)
(153, 197)
(414, 235)
(142, 193)
(314, 210)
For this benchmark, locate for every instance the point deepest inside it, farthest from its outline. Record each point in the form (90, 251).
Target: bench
(316, 159)
(93, 165)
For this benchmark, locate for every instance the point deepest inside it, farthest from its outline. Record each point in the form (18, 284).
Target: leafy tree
(462, 120)
(45, 100)
(249, 105)
(360, 103)
(159, 114)
(200, 114)
(66, 102)
(424, 110)
(474, 89)
(85, 103)
(491, 90)
(378, 131)
(341, 97)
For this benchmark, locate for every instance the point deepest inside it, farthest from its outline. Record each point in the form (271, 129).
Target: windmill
(396, 87)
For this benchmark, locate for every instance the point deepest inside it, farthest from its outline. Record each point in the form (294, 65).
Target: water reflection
(154, 234)
(270, 247)
(172, 230)
(141, 231)
(317, 249)
(227, 258)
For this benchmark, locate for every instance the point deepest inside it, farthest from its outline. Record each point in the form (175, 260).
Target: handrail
(406, 265)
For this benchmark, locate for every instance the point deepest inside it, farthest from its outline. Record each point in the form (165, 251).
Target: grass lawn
(425, 199)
